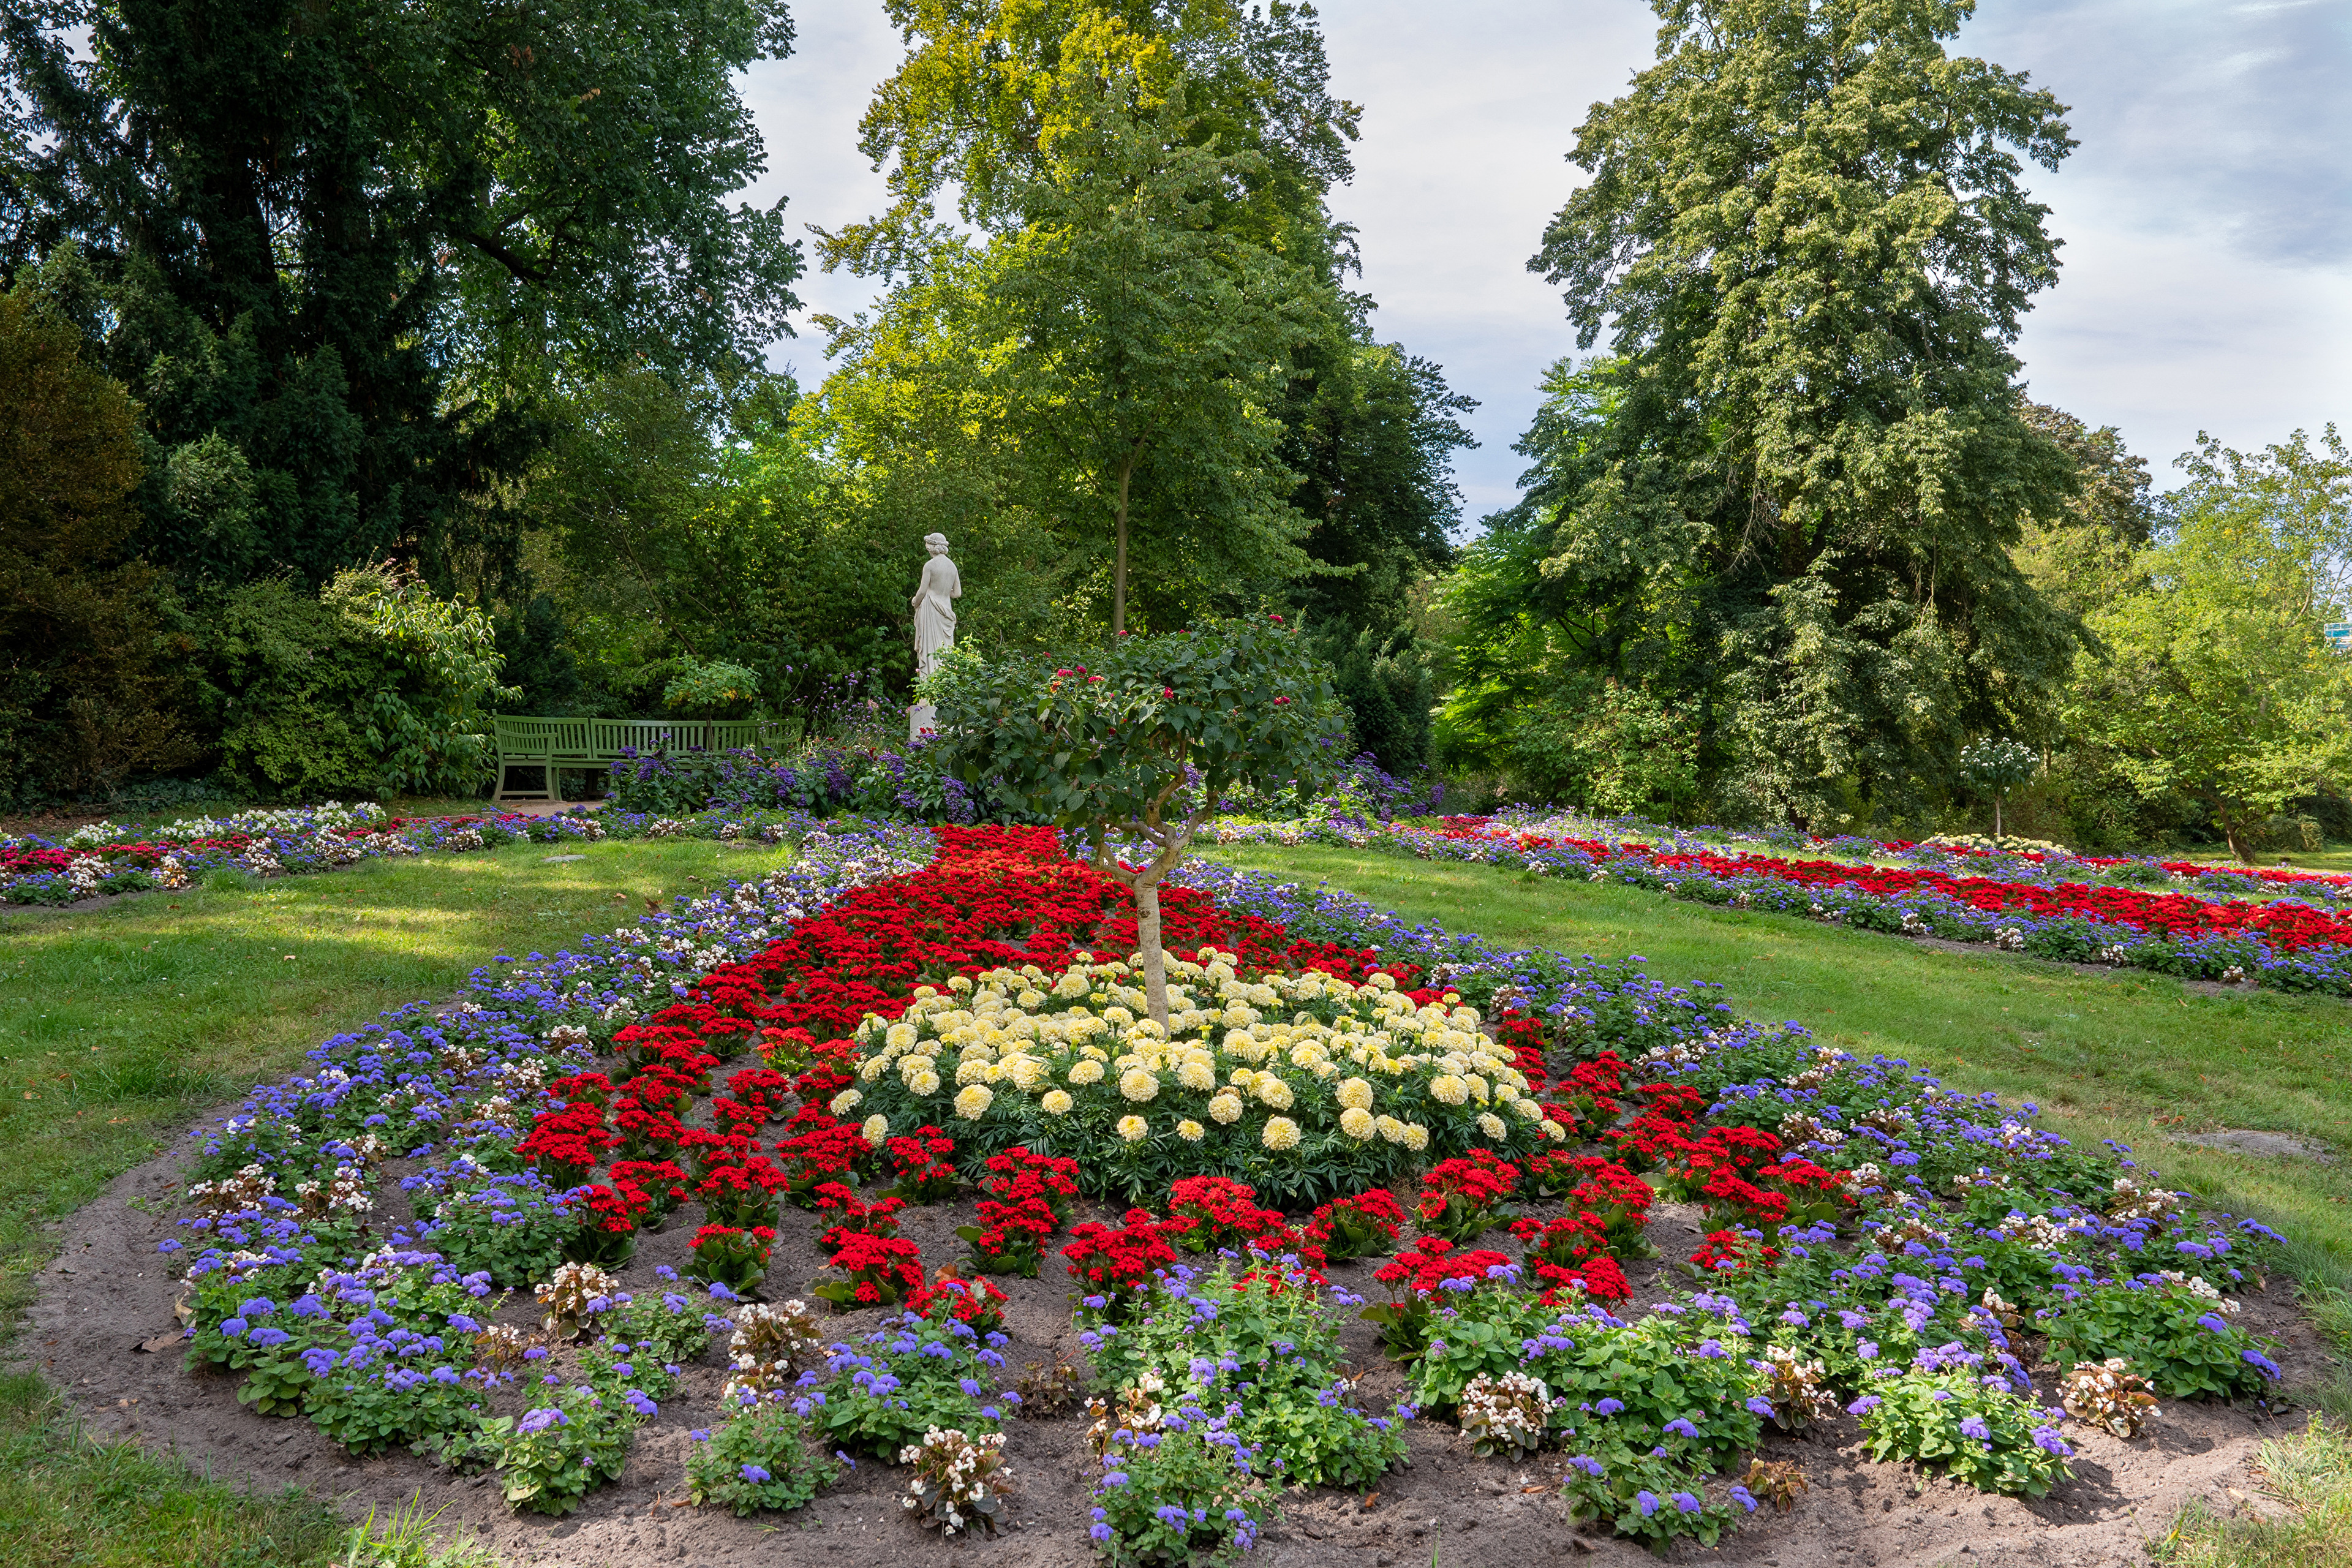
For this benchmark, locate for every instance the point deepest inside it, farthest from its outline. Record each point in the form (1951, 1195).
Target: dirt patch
(109, 1293)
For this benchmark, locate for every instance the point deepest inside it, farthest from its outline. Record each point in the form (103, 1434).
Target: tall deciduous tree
(334, 248)
(2217, 683)
(1807, 238)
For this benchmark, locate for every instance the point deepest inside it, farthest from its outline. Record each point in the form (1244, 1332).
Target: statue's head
(936, 543)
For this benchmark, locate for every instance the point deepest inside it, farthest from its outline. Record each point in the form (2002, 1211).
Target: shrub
(759, 1457)
(1981, 1433)
(2176, 1336)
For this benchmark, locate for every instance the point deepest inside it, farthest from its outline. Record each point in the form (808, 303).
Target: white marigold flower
(1191, 1130)
(1056, 1102)
(1391, 1130)
(1026, 1071)
(1449, 1088)
(1526, 1109)
(1281, 1132)
(846, 1101)
(1478, 1087)
(1197, 1072)
(900, 1035)
(973, 1101)
(1242, 1077)
(1356, 1094)
(1138, 1085)
(1272, 1090)
(1031, 1001)
(876, 1131)
(924, 1082)
(1417, 1136)
(1132, 1127)
(1555, 1131)
(1380, 980)
(1086, 1070)
(1492, 1126)
(1225, 1108)
(1357, 1122)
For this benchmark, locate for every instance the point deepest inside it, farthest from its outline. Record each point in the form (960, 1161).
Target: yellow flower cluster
(1278, 1062)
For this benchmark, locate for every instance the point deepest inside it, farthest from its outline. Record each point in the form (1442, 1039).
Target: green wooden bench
(552, 746)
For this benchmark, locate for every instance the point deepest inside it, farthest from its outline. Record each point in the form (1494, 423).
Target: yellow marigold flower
(975, 1101)
(1281, 1132)
(1505, 1093)
(1191, 1130)
(1132, 1127)
(1225, 1107)
(1197, 1072)
(1356, 1094)
(1137, 1084)
(845, 1101)
(1380, 980)
(1417, 1136)
(1391, 1130)
(923, 1082)
(1478, 1087)
(1031, 1000)
(901, 1035)
(876, 1131)
(1555, 1131)
(1449, 1088)
(1492, 1125)
(1242, 1077)
(1057, 1102)
(1527, 1109)
(1085, 1070)
(1272, 1090)
(974, 1069)
(1356, 1122)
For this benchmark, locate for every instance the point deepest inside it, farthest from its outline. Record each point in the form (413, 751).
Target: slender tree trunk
(1118, 561)
(1147, 937)
(1996, 816)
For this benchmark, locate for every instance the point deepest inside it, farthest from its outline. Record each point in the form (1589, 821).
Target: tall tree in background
(1805, 234)
(336, 251)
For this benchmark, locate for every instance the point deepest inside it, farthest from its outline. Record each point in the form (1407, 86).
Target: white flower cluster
(2108, 1393)
(959, 1480)
(768, 1344)
(1275, 1059)
(1509, 1414)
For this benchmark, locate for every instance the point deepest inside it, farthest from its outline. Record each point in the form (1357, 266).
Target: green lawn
(2129, 1056)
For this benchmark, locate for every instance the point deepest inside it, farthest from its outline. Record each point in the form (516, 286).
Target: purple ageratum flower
(2261, 1363)
(1681, 1424)
(757, 1475)
(1864, 1405)
(2046, 1439)
(1685, 1503)
(1744, 1498)
(1589, 1465)
(1759, 1405)
(1099, 1532)
(1974, 1427)
(539, 1420)
(1608, 1407)
(1647, 1502)
(2213, 1324)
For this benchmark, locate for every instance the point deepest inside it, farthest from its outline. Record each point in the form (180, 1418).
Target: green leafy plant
(554, 1454)
(759, 1458)
(909, 1375)
(1190, 1496)
(1990, 1438)
(2179, 1338)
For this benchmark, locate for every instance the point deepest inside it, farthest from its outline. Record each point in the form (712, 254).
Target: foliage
(1140, 745)
(2176, 1337)
(2217, 684)
(87, 693)
(714, 691)
(555, 1453)
(1977, 1428)
(429, 732)
(513, 1227)
(907, 1376)
(759, 1457)
(1186, 1494)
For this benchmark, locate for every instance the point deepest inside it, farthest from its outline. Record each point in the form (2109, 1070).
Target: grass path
(2129, 1056)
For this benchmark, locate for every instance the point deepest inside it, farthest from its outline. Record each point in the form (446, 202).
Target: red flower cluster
(1462, 1197)
(1728, 1251)
(976, 1303)
(568, 1142)
(1025, 1198)
(1430, 1264)
(743, 1194)
(922, 1164)
(882, 1270)
(1210, 1214)
(763, 1089)
(1119, 1264)
(664, 1185)
(849, 1216)
(727, 1255)
(814, 1158)
(1347, 1228)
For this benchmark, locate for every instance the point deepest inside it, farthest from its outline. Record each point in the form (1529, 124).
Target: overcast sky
(2206, 214)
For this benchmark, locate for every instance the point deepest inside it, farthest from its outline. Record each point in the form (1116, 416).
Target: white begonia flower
(876, 1131)
(1055, 1102)
(1281, 1132)
(1225, 1107)
(1357, 1122)
(1085, 1070)
(1191, 1130)
(972, 1102)
(1132, 1127)
(1139, 1085)
(1355, 1094)
(923, 1083)
(845, 1101)
(1492, 1126)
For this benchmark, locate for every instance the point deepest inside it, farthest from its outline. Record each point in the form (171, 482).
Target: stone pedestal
(921, 716)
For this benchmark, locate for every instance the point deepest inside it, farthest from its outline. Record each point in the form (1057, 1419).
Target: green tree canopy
(1789, 498)
(335, 250)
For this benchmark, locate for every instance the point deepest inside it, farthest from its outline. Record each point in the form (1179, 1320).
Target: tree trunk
(1118, 560)
(1996, 816)
(1147, 938)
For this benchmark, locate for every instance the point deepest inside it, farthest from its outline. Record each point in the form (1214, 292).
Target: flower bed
(2086, 910)
(103, 858)
(1928, 1265)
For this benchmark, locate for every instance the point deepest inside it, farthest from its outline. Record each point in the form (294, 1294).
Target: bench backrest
(603, 740)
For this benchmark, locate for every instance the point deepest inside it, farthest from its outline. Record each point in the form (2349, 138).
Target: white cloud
(2208, 215)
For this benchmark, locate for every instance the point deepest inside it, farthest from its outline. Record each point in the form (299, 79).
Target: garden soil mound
(109, 1296)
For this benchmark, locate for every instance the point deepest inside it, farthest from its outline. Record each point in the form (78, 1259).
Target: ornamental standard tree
(1807, 240)
(1132, 747)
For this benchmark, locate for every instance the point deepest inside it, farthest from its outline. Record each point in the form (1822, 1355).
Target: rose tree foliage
(1136, 745)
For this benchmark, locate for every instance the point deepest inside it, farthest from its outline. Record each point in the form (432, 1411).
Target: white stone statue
(935, 624)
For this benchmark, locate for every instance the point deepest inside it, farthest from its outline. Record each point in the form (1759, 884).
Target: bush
(2174, 1335)
(1994, 1439)
(761, 1456)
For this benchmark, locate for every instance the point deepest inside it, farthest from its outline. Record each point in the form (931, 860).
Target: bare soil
(110, 1293)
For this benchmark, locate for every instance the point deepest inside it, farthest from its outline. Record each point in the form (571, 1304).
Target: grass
(2125, 1055)
(2309, 1472)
